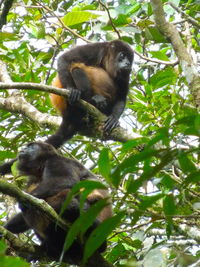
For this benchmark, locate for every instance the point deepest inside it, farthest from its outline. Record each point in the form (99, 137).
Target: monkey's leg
(83, 85)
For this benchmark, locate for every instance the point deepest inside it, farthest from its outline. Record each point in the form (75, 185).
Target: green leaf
(7, 36)
(76, 17)
(163, 78)
(169, 227)
(144, 204)
(104, 163)
(86, 187)
(151, 172)
(186, 164)
(80, 226)
(162, 135)
(120, 21)
(193, 178)
(130, 165)
(169, 206)
(159, 55)
(8, 261)
(152, 33)
(167, 182)
(14, 169)
(99, 235)
(3, 248)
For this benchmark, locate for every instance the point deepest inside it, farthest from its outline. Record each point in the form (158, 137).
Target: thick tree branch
(15, 102)
(20, 105)
(185, 59)
(41, 205)
(17, 244)
(4, 76)
(94, 116)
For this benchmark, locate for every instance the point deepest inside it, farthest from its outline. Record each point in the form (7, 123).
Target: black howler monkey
(51, 177)
(97, 73)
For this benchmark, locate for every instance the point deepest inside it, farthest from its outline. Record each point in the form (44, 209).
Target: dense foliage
(154, 178)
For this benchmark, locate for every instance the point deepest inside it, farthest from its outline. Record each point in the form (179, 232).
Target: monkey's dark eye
(30, 145)
(121, 56)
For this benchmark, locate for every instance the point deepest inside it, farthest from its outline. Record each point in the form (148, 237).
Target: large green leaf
(76, 17)
(104, 163)
(84, 221)
(163, 78)
(99, 235)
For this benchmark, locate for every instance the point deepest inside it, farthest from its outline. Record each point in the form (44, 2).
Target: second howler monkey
(97, 73)
(51, 177)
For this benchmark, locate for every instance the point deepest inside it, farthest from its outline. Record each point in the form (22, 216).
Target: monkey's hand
(74, 96)
(24, 206)
(5, 168)
(111, 123)
(99, 101)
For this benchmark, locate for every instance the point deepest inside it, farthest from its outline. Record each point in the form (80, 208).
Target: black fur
(112, 61)
(51, 177)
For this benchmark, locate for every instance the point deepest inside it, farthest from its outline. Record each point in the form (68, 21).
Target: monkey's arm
(6, 167)
(17, 224)
(58, 175)
(112, 120)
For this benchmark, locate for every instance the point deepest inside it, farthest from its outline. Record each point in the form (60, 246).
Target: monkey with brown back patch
(97, 73)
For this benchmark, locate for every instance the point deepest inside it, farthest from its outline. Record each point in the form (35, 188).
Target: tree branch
(17, 244)
(94, 116)
(110, 18)
(185, 59)
(20, 105)
(6, 8)
(169, 63)
(190, 19)
(62, 23)
(41, 205)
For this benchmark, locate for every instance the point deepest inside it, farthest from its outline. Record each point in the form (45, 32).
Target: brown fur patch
(58, 101)
(31, 187)
(96, 195)
(101, 82)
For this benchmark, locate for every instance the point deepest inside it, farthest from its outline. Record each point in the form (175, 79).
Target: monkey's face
(30, 152)
(123, 62)
(36, 152)
(119, 59)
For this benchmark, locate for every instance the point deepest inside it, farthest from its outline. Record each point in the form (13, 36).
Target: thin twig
(110, 18)
(62, 24)
(169, 63)
(190, 19)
